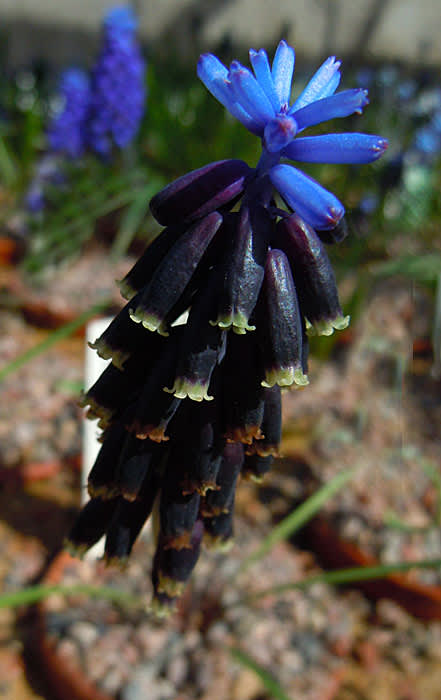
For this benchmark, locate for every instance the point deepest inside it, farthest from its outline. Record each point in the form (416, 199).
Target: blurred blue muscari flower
(262, 103)
(406, 90)
(66, 132)
(436, 121)
(118, 90)
(428, 140)
(47, 172)
(365, 77)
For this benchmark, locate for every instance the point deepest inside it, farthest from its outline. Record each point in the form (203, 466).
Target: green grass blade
(34, 594)
(294, 521)
(8, 169)
(55, 337)
(267, 679)
(436, 333)
(131, 221)
(422, 268)
(345, 576)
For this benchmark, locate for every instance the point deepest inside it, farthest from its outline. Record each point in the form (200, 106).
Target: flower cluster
(118, 92)
(219, 310)
(106, 109)
(67, 131)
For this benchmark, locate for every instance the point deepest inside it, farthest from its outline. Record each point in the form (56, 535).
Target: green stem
(298, 518)
(267, 679)
(55, 337)
(344, 576)
(34, 594)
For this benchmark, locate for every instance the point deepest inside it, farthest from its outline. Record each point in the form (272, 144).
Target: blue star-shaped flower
(261, 103)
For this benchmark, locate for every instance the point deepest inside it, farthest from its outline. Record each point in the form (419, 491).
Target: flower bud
(200, 192)
(279, 325)
(313, 274)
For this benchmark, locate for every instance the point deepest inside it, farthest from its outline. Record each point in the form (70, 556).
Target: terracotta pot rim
(419, 599)
(66, 680)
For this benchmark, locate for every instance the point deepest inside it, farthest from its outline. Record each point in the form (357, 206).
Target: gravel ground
(300, 637)
(374, 405)
(383, 412)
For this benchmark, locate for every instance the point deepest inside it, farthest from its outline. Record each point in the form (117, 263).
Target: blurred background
(74, 216)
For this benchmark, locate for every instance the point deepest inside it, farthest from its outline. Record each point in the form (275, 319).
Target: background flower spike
(200, 192)
(118, 93)
(280, 327)
(313, 275)
(174, 273)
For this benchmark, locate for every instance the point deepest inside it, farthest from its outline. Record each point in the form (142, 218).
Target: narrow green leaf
(422, 268)
(34, 594)
(55, 337)
(294, 521)
(131, 221)
(7, 166)
(344, 576)
(267, 679)
(436, 333)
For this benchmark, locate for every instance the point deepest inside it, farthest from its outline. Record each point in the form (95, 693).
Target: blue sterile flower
(118, 89)
(262, 103)
(66, 132)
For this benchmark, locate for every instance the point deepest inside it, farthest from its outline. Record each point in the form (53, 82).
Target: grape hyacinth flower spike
(217, 318)
(117, 85)
(67, 130)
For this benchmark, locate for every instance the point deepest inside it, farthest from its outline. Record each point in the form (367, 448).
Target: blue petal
(249, 94)
(341, 105)
(322, 84)
(282, 71)
(311, 201)
(214, 76)
(337, 148)
(262, 71)
(330, 87)
(279, 132)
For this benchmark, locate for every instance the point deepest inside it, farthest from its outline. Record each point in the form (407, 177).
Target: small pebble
(84, 633)
(177, 670)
